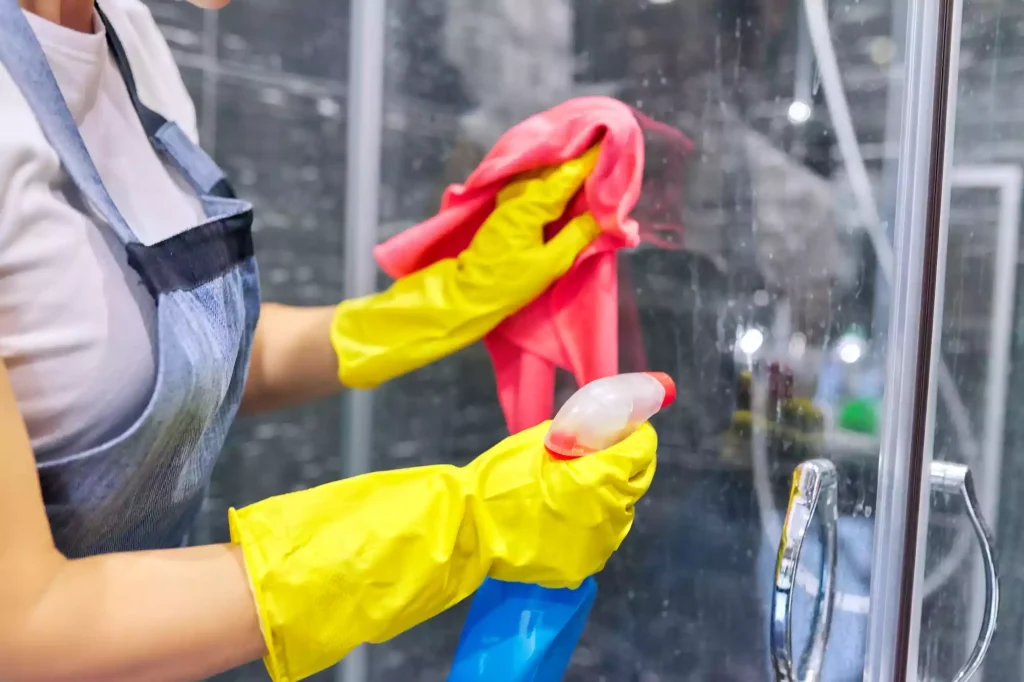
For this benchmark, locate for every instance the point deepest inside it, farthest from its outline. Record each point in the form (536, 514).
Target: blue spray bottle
(526, 633)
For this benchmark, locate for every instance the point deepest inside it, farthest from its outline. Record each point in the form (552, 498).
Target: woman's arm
(293, 360)
(182, 614)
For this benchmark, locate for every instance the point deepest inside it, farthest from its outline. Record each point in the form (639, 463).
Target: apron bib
(144, 488)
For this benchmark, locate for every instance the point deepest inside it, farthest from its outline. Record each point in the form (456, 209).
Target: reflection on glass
(761, 285)
(754, 286)
(980, 343)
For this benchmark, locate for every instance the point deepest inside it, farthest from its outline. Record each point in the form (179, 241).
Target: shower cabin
(829, 274)
(828, 271)
(830, 277)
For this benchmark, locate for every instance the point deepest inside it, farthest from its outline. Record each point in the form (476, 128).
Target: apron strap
(167, 138)
(23, 58)
(151, 120)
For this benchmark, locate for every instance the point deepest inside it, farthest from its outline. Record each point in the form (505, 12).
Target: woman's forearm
(293, 361)
(182, 614)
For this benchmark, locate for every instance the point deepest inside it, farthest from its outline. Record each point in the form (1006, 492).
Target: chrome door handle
(815, 484)
(956, 479)
(815, 487)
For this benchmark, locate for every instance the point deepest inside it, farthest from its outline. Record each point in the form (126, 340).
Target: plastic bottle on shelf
(606, 411)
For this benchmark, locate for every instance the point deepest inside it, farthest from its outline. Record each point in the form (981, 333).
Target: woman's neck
(74, 14)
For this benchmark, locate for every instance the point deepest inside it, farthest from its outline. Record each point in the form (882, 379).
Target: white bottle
(606, 411)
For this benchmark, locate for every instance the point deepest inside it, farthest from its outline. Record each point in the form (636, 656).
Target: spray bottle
(527, 633)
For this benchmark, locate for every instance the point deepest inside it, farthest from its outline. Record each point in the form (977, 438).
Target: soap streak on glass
(756, 288)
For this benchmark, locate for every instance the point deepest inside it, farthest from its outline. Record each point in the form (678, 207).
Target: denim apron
(143, 488)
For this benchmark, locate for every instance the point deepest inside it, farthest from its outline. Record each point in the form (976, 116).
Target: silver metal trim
(815, 488)
(941, 379)
(912, 185)
(367, 36)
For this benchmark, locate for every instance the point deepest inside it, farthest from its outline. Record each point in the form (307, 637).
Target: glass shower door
(920, 379)
(779, 282)
(976, 353)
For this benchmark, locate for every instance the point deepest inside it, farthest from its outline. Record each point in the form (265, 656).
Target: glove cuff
(357, 560)
(352, 351)
(256, 567)
(421, 318)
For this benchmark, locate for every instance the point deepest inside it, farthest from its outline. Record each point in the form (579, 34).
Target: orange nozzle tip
(561, 457)
(667, 384)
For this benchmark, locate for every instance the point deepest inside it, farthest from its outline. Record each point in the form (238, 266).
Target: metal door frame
(920, 236)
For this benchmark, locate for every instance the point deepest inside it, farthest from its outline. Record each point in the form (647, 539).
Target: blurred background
(757, 270)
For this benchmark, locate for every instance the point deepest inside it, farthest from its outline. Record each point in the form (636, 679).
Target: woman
(131, 332)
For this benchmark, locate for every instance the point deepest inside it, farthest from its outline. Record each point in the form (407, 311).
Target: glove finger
(543, 195)
(633, 455)
(639, 484)
(530, 440)
(563, 181)
(626, 492)
(563, 249)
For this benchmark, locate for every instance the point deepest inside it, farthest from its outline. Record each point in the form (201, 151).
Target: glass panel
(268, 80)
(756, 287)
(981, 342)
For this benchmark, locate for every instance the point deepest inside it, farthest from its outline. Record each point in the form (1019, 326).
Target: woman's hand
(553, 522)
(455, 302)
(366, 558)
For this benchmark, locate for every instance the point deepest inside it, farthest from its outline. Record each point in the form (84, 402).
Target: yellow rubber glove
(455, 302)
(363, 559)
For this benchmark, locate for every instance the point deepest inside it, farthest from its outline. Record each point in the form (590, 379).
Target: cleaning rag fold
(574, 324)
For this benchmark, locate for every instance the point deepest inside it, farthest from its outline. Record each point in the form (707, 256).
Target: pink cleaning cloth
(573, 325)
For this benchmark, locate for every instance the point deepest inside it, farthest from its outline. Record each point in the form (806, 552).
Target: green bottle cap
(860, 416)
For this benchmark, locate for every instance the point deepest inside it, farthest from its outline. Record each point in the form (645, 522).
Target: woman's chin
(210, 4)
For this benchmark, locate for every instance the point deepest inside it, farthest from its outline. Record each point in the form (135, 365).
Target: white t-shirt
(76, 323)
